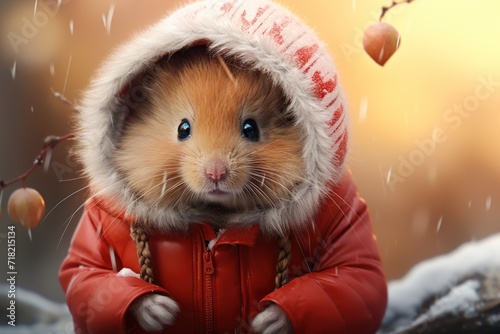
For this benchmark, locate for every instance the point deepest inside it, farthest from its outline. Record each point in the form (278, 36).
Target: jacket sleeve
(97, 297)
(346, 291)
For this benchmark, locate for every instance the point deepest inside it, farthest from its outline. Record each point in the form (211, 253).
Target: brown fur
(195, 86)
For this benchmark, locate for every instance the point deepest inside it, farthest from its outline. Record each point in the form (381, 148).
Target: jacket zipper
(209, 303)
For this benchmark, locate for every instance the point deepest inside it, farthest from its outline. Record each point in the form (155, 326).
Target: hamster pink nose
(216, 170)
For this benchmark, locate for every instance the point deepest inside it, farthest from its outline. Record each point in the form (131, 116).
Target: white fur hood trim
(263, 35)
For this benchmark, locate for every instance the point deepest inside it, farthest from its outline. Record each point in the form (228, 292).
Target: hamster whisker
(141, 196)
(191, 196)
(251, 194)
(158, 175)
(73, 179)
(277, 182)
(309, 269)
(181, 196)
(167, 191)
(272, 175)
(150, 190)
(196, 154)
(156, 186)
(67, 222)
(64, 199)
(257, 192)
(355, 213)
(113, 225)
(175, 185)
(280, 175)
(246, 155)
(296, 178)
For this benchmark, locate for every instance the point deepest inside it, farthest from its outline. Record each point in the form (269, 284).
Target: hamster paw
(272, 320)
(153, 312)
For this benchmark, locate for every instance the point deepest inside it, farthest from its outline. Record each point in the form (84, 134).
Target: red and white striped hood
(265, 36)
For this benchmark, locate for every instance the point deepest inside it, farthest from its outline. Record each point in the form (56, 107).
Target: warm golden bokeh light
(31, 38)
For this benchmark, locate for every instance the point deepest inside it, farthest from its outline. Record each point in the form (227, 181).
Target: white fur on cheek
(272, 320)
(153, 312)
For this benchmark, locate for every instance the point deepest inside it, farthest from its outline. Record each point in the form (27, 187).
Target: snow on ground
(35, 314)
(461, 299)
(436, 276)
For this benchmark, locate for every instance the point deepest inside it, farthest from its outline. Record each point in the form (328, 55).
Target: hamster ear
(285, 120)
(132, 96)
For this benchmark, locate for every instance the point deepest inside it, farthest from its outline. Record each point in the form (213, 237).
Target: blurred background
(425, 146)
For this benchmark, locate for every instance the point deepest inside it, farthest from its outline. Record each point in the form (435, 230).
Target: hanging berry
(26, 206)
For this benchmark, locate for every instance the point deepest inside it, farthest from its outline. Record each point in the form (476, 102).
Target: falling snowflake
(440, 222)
(389, 174)
(432, 174)
(488, 203)
(13, 70)
(106, 20)
(112, 257)
(67, 73)
(420, 221)
(52, 70)
(71, 26)
(363, 109)
(46, 162)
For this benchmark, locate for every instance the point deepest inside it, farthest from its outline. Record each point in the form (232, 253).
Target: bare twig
(49, 143)
(394, 4)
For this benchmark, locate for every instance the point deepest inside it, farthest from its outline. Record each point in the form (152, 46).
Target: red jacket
(337, 284)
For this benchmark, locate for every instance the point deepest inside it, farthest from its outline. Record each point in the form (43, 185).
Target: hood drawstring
(145, 259)
(284, 256)
(141, 241)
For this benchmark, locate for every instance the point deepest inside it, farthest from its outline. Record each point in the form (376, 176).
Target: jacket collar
(242, 235)
(245, 235)
(112, 209)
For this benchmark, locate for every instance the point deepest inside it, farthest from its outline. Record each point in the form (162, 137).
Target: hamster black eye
(250, 130)
(184, 130)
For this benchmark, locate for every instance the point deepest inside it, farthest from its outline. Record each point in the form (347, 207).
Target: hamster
(215, 145)
(211, 138)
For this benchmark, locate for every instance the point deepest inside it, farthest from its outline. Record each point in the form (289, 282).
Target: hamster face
(210, 136)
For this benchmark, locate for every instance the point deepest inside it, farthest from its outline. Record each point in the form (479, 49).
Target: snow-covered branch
(454, 293)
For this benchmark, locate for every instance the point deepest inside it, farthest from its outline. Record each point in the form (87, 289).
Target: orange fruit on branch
(26, 206)
(380, 41)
